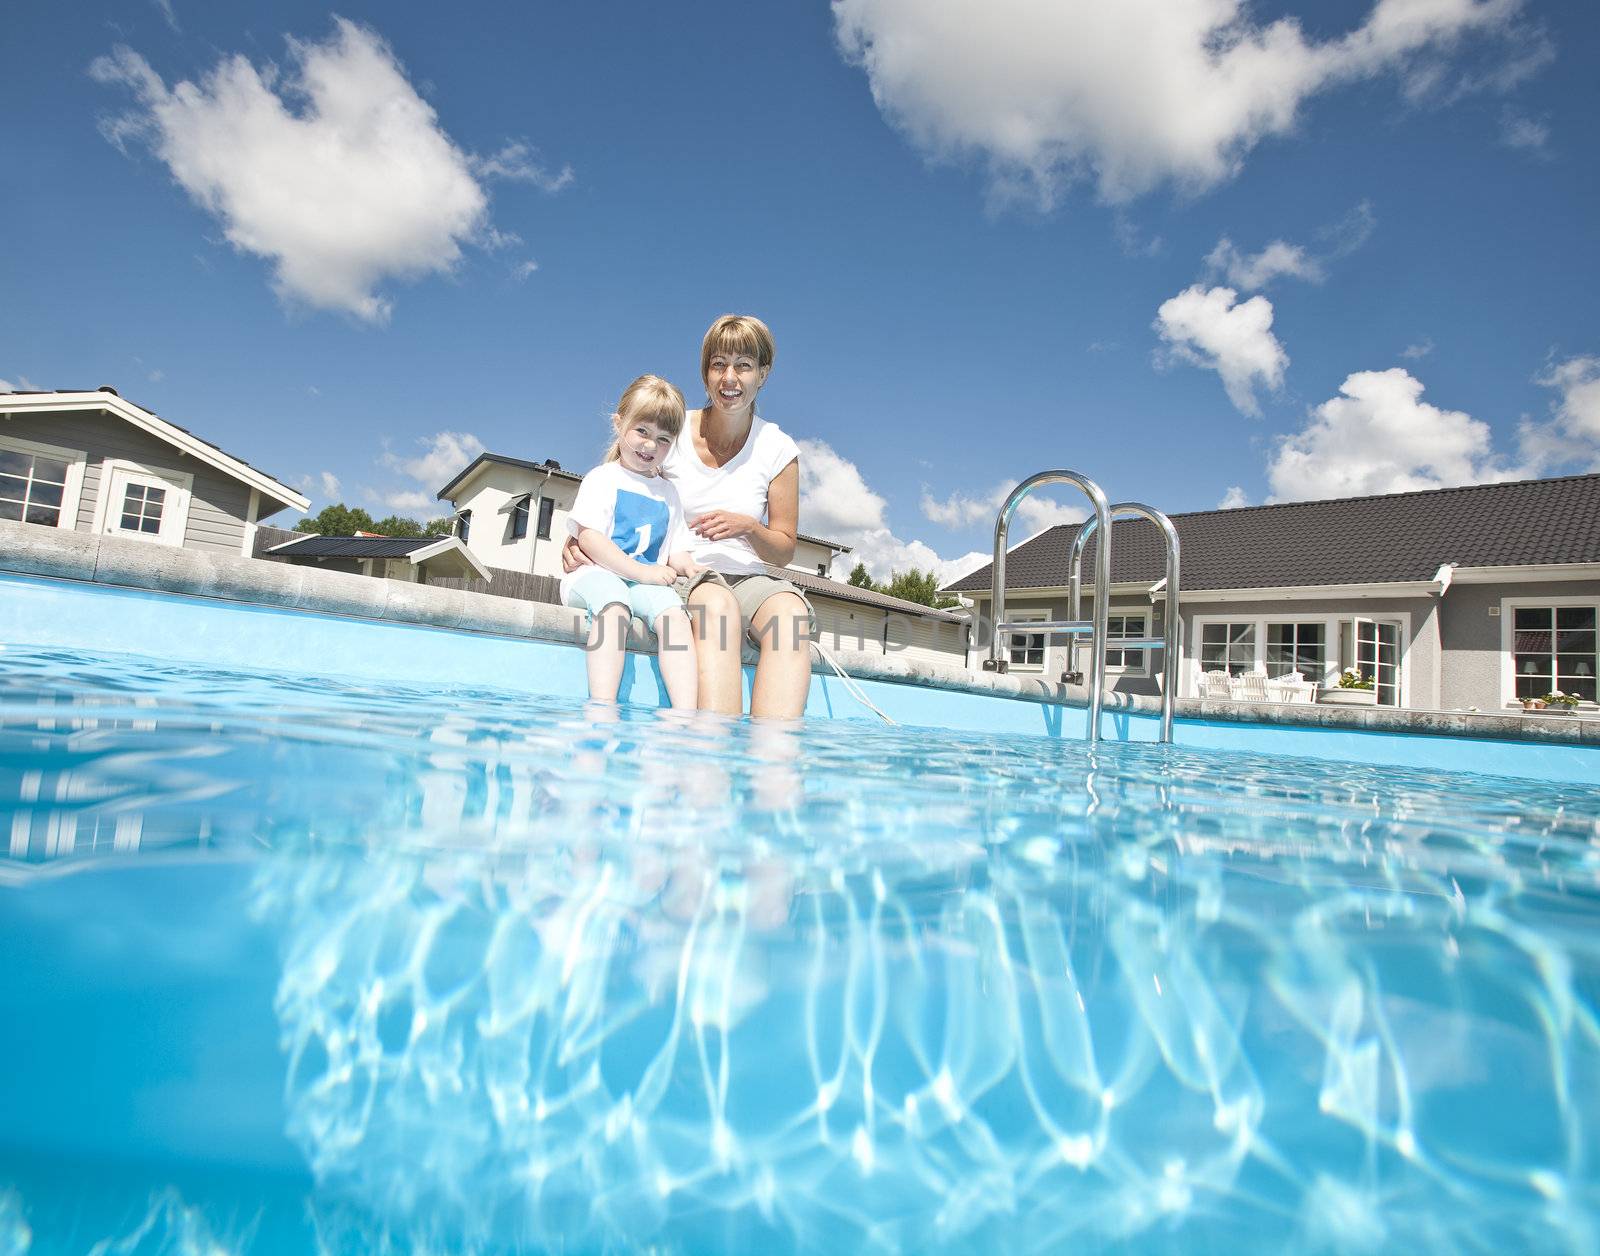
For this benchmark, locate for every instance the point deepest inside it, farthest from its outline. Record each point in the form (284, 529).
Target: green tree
(396, 525)
(859, 577)
(445, 525)
(917, 586)
(337, 520)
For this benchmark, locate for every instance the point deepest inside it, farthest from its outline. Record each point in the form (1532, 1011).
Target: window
(519, 518)
(1026, 649)
(463, 524)
(1125, 626)
(547, 508)
(151, 503)
(1228, 648)
(1297, 647)
(822, 569)
(1553, 647)
(39, 483)
(142, 505)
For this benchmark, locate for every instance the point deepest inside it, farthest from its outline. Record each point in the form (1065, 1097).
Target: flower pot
(1347, 697)
(1533, 704)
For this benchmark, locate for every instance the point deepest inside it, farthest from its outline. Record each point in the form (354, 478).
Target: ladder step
(1136, 643)
(1047, 625)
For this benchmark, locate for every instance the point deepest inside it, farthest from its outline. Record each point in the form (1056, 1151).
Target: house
(416, 560)
(512, 515)
(509, 510)
(1458, 598)
(93, 462)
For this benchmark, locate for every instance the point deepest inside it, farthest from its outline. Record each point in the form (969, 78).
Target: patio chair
(1214, 685)
(1251, 687)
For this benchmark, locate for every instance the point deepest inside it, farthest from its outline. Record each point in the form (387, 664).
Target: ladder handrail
(1171, 625)
(1102, 580)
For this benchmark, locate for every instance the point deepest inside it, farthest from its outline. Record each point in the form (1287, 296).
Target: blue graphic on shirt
(639, 525)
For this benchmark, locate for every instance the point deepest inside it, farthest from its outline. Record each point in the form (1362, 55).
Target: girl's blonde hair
(652, 398)
(737, 333)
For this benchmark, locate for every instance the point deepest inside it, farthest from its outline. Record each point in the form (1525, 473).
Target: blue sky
(1203, 251)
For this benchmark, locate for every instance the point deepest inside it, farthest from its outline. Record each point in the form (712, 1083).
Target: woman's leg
(782, 629)
(719, 637)
(606, 650)
(676, 653)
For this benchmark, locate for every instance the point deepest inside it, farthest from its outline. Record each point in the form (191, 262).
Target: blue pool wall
(42, 612)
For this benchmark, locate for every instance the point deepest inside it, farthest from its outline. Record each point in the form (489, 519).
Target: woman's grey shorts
(750, 592)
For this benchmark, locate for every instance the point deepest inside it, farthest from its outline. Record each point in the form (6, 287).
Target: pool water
(296, 966)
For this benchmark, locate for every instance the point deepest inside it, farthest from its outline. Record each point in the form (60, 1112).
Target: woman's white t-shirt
(740, 486)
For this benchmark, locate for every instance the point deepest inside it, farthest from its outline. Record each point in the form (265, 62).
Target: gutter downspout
(1441, 585)
(533, 553)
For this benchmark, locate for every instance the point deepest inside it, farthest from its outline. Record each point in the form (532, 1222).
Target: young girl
(629, 522)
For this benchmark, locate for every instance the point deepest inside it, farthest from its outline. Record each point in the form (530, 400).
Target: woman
(739, 478)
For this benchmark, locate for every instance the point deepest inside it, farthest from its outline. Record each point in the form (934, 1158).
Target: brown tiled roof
(1348, 540)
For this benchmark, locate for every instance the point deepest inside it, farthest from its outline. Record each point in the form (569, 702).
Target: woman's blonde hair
(737, 333)
(652, 398)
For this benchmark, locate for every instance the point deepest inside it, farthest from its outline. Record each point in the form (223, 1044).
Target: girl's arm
(773, 542)
(684, 564)
(606, 553)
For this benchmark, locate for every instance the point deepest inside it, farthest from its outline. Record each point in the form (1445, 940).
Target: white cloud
(1234, 498)
(1252, 271)
(1418, 351)
(336, 171)
(1379, 436)
(1517, 130)
(836, 503)
(447, 454)
(1211, 328)
(171, 18)
(1131, 94)
(409, 499)
(522, 270)
(328, 482)
(1035, 512)
(23, 384)
(520, 162)
(1570, 440)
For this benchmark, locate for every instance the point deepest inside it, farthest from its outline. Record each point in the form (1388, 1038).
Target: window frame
(1333, 628)
(1508, 608)
(178, 485)
(1028, 616)
(519, 516)
(77, 461)
(547, 512)
(1122, 669)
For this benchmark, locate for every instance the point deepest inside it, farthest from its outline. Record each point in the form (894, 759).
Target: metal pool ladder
(1095, 627)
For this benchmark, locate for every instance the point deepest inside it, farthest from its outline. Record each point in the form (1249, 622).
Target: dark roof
(813, 583)
(555, 470)
(1349, 540)
(312, 546)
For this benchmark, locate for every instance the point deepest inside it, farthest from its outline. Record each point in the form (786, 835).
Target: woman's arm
(606, 553)
(773, 542)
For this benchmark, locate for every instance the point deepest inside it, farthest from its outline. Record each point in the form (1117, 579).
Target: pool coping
(59, 554)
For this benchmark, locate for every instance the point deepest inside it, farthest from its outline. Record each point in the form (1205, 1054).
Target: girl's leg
(676, 653)
(607, 650)
(782, 629)
(718, 638)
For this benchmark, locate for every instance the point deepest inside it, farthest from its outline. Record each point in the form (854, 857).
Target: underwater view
(303, 966)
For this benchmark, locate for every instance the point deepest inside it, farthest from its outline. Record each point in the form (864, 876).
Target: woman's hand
(723, 525)
(573, 557)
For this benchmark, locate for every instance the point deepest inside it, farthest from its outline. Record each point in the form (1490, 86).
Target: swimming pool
(305, 963)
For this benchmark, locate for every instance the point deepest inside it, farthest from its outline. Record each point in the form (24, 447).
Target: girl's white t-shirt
(740, 486)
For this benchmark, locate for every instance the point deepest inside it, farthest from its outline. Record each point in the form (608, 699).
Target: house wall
(490, 496)
(1474, 652)
(845, 625)
(218, 503)
(1421, 655)
(808, 556)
